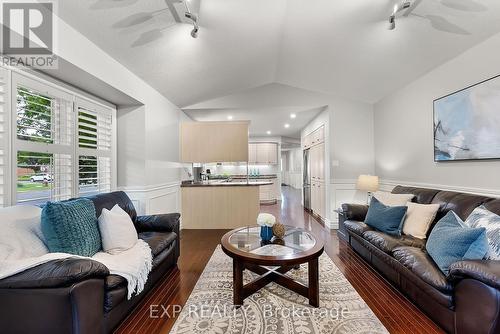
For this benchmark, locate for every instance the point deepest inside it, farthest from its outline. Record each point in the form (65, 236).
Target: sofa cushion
(387, 243)
(357, 227)
(451, 241)
(462, 204)
(482, 217)
(420, 263)
(391, 199)
(158, 241)
(422, 195)
(419, 218)
(71, 227)
(118, 232)
(385, 218)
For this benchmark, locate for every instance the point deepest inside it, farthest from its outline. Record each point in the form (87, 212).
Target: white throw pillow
(390, 199)
(419, 218)
(21, 235)
(482, 217)
(117, 230)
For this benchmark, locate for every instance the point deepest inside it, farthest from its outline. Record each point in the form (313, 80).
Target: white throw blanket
(22, 247)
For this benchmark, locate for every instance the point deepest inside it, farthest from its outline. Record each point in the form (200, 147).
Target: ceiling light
(268, 132)
(398, 8)
(194, 18)
(293, 116)
(229, 117)
(287, 125)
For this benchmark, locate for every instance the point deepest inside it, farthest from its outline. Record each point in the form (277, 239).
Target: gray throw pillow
(482, 217)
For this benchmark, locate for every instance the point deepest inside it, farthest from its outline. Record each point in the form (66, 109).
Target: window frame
(31, 81)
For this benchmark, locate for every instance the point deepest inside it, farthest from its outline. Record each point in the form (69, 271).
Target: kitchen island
(220, 204)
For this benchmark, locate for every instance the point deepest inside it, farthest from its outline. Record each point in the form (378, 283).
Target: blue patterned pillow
(482, 217)
(387, 219)
(451, 241)
(71, 227)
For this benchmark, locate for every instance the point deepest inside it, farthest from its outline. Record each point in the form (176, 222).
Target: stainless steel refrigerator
(307, 181)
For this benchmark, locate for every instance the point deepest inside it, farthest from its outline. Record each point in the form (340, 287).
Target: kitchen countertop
(221, 183)
(252, 177)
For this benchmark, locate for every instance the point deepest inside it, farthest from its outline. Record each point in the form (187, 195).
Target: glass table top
(294, 241)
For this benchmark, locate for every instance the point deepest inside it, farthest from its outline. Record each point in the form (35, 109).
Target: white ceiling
(339, 47)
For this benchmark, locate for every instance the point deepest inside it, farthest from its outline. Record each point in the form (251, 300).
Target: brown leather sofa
(467, 300)
(79, 295)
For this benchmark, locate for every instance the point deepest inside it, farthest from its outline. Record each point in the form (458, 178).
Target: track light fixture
(398, 8)
(194, 18)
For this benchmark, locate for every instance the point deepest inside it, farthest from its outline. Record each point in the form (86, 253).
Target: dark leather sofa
(465, 301)
(79, 295)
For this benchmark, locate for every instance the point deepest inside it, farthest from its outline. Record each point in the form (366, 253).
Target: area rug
(274, 309)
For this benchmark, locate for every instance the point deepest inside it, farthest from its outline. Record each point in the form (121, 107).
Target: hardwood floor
(397, 313)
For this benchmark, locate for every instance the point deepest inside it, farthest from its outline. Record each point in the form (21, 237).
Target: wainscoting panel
(344, 191)
(164, 198)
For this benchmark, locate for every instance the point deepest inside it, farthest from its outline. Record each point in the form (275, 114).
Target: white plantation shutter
(95, 142)
(43, 145)
(4, 138)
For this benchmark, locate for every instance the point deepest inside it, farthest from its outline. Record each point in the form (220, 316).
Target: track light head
(392, 22)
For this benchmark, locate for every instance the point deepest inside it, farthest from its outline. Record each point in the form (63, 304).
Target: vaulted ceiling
(340, 47)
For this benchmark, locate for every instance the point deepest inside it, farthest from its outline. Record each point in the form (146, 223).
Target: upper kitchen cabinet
(203, 142)
(314, 138)
(263, 153)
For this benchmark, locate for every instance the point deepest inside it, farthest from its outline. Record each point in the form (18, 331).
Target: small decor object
(466, 123)
(266, 222)
(279, 230)
(387, 219)
(71, 227)
(451, 241)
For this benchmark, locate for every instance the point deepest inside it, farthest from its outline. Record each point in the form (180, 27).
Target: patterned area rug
(274, 309)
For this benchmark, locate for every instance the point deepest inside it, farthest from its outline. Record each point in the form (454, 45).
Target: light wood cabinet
(203, 142)
(219, 207)
(263, 153)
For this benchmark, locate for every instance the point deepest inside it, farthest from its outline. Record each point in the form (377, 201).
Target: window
(62, 145)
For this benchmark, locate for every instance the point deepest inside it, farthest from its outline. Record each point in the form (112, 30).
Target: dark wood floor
(396, 313)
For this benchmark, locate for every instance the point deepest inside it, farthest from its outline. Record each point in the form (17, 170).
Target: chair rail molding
(155, 199)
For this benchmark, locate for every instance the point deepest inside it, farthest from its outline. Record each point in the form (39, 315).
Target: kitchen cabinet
(317, 161)
(314, 138)
(269, 193)
(223, 207)
(263, 153)
(203, 142)
(318, 198)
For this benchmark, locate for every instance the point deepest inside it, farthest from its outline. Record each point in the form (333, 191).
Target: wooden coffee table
(272, 260)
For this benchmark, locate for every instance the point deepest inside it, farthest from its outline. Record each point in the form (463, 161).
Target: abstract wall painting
(467, 123)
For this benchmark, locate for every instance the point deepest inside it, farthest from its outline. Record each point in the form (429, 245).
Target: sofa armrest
(158, 223)
(354, 211)
(486, 271)
(56, 274)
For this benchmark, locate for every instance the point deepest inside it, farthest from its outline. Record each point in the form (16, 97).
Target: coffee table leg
(237, 283)
(313, 270)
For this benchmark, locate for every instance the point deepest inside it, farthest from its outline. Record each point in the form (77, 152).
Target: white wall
(349, 145)
(148, 144)
(404, 127)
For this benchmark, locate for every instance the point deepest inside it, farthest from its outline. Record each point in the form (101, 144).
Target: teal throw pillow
(387, 219)
(451, 241)
(71, 227)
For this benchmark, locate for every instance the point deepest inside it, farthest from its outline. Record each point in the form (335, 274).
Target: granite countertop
(219, 183)
(253, 177)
